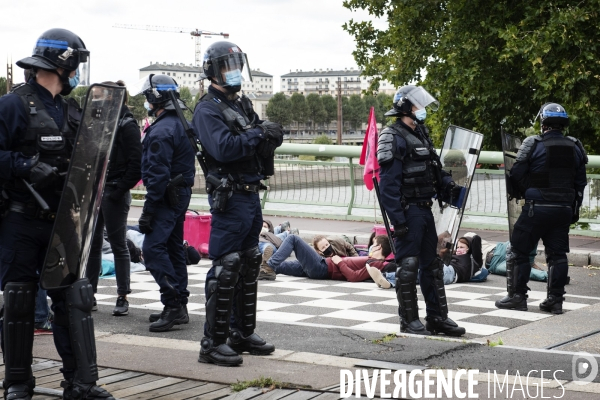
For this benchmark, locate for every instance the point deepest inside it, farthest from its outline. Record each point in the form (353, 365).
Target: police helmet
(553, 115)
(408, 96)
(57, 48)
(226, 65)
(156, 89)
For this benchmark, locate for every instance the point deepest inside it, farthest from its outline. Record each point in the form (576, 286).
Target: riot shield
(510, 147)
(458, 156)
(71, 238)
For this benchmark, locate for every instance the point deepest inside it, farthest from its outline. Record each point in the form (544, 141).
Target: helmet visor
(421, 98)
(231, 68)
(84, 72)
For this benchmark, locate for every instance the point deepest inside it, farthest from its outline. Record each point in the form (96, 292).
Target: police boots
(252, 343)
(218, 354)
(415, 327)
(446, 326)
(19, 391)
(156, 316)
(553, 304)
(517, 302)
(75, 390)
(169, 317)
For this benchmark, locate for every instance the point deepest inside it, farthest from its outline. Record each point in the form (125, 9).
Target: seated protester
(363, 250)
(312, 265)
(192, 257)
(495, 261)
(466, 265)
(329, 247)
(268, 243)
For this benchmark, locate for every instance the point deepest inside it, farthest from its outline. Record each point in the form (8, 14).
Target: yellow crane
(194, 33)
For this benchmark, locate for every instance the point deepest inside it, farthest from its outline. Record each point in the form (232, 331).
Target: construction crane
(195, 33)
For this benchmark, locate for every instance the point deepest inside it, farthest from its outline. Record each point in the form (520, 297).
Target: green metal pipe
(485, 157)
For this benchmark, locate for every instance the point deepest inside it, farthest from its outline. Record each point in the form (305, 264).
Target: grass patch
(303, 157)
(266, 383)
(499, 342)
(385, 339)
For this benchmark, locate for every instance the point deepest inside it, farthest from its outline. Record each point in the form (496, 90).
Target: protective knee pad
(512, 271)
(17, 330)
(79, 300)
(219, 296)
(437, 269)
(406, 288)
(246, 300)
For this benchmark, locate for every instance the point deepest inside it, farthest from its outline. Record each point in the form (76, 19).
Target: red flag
(368, 155)
(146, 125)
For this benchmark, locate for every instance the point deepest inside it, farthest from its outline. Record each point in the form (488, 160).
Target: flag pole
(386, 222)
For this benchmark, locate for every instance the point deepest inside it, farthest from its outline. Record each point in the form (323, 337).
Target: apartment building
(326, 82)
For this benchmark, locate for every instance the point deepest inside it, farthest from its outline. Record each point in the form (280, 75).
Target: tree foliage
(136, 106)
(314, 110)
(279, 109)
(330, 107)
(493, 67)
(188, 99)
(2, 86)
(299, 110)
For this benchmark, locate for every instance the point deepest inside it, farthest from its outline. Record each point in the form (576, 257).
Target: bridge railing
(335, 189)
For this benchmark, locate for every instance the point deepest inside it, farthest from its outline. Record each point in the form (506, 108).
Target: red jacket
(352, 269)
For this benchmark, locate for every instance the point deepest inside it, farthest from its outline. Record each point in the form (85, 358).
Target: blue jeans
(308, 263)
(41, 306)
(449, 275)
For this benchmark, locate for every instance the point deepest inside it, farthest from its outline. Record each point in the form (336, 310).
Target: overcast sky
(277, 35)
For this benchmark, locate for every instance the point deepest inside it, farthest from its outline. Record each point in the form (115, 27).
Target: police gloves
(145, 222)
(273, 137)
(43, 175)
(400, 231)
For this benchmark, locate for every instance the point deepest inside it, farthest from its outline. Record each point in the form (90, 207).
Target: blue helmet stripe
(55, 44)
(555, 114)
(166, 87)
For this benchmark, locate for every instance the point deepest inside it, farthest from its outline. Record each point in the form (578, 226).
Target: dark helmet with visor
(60, 48)
(408, 96)
(226, 65)
(156, 89)
(553, 115)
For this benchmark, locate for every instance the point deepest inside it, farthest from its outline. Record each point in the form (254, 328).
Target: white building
(262, 83)
(325, 82)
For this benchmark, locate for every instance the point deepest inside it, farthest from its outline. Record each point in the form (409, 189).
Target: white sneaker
(377, 276)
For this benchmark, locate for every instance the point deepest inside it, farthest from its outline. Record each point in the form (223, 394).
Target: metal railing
(336, 188)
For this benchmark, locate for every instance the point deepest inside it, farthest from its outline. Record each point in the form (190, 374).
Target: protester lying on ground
(268, 243)
(466, 265)
(311, 265)
(329, 247)
(495, 262)
(283, 230)
(363, 250)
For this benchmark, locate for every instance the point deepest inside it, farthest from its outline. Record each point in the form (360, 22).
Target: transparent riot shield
(458, 156)
(71, 238)
(510, 147)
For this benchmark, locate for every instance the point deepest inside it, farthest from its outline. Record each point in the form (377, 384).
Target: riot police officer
(549, 173)
(410, 176)
(168, 170)
(239, 150)
(37, 132)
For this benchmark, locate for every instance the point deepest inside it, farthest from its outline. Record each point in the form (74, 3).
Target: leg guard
(437, 269)
(219, 298)
(79, 299)
(406, 288)
(17, 329)
(245, 307)
(512, 271)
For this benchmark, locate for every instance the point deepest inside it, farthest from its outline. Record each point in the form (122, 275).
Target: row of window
(351, 79)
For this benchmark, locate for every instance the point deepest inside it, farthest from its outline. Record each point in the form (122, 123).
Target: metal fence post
(352, 189)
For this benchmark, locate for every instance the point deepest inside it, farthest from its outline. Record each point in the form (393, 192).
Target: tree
(279, 109)
(2, 86)
(384, 104)
(357, 111)
(136, 106)
(330, 107)
(491, 67)
(322, 139)
(186, 96)
(79, 94)
(314, 110)
(299, 110)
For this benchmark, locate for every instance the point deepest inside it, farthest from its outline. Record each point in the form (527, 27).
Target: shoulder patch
(217, 100)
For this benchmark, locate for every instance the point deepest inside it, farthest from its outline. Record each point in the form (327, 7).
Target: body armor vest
(418, 176)
(556, 181)
(43, 136)
(237, 123)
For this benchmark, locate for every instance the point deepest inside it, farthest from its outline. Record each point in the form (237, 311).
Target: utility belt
(533, 203)
(421, 204)
(31, 210)
(221, 189)
(246, 188)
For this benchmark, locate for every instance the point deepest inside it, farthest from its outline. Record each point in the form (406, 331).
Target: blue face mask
(147, 106)
(372, 249)
(421, 114)
(233, 78)
(74, 81)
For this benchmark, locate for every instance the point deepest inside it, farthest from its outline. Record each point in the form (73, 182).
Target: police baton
(38, 198)
(386, 222)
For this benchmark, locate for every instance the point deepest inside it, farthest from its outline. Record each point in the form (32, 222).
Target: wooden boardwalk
(132, 385)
